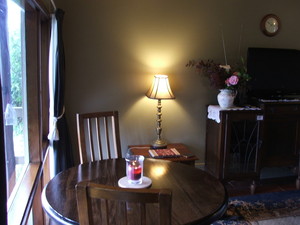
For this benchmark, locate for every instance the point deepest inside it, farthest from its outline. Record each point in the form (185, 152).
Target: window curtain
(59, 134)
(3, 70)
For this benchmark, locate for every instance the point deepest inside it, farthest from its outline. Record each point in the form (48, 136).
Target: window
(14, 101)
(24, 82)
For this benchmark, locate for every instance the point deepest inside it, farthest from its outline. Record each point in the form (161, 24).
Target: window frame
(37, 34)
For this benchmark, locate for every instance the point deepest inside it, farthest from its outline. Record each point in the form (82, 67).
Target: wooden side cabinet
(233, 146)
(281, 134)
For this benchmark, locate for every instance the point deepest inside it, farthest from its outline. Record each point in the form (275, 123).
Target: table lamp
(159, 90)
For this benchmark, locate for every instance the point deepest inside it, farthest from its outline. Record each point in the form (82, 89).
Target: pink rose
(233, 80)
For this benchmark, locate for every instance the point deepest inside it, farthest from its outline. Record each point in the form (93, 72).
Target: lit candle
(134, 171)
(134, 168)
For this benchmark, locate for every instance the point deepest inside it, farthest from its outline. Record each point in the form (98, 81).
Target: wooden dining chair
(98, 136)
(122, 206)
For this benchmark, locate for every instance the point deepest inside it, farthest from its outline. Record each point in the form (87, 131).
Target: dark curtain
(62, 148)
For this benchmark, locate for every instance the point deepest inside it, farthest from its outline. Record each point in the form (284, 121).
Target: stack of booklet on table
(164, 153)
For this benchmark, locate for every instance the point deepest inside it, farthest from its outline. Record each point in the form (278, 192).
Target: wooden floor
(238, 188)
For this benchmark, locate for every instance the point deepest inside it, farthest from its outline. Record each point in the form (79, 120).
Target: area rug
(269, 208)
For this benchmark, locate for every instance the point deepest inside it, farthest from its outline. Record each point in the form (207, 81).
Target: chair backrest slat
(114, 137)
(133, 202)
(143, 213)
(98, 136)
(90, 139)
(106, 135)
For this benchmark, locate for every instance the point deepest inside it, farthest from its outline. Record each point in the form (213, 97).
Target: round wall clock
(270, 25)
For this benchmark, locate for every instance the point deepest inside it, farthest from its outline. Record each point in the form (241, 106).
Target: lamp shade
(160, 88)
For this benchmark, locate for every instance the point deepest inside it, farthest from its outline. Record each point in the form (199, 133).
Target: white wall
(114, 48)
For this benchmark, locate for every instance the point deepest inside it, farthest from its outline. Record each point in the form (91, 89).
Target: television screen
(275, 72)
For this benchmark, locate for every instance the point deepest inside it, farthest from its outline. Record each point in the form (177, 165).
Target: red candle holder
(134, 168)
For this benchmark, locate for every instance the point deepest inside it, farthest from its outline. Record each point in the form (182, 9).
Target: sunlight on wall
(161, 55)
(157, 57)
(155, 43)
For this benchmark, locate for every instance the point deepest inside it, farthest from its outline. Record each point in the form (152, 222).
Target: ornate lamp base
(159, 144)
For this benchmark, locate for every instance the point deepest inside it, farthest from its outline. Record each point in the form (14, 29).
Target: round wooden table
(197, 197)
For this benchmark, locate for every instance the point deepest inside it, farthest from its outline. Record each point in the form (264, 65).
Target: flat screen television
(275, 72)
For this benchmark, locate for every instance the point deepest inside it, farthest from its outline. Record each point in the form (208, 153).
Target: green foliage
(15, 47)
(16, 68)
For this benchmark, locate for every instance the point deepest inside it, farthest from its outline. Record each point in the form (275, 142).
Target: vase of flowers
(230, 81)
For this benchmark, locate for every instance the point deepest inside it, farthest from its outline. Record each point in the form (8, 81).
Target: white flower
(226, 67)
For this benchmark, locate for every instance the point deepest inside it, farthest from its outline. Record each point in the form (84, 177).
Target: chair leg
(252, 187)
